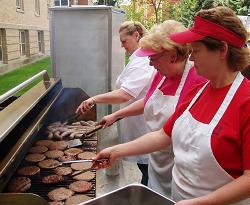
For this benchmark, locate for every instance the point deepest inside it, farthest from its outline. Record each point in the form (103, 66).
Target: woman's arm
(147, 143)
(113, 97)
(235, 191)
(135, 108)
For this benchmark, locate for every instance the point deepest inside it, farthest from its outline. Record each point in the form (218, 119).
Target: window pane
(57, 3)
(37, 6)
(23, 49)
(18, 3)
(1, 54)
(22, 37)
(40, 47)
(22, 43)
(64, 2)
(39, 36)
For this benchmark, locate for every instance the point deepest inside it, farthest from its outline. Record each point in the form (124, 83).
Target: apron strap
(230, 94)
(188, 66)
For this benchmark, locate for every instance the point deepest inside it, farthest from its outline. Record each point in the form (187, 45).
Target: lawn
(13, 78)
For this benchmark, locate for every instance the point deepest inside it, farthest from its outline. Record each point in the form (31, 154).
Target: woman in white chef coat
(175, 75)
(210, 130)
(132, 84)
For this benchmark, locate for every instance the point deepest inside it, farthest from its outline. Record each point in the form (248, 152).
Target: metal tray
(134, 194)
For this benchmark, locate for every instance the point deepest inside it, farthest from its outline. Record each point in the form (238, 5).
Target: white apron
(158, 109)
(196, 171)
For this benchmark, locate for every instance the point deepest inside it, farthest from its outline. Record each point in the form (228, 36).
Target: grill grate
(41, 189)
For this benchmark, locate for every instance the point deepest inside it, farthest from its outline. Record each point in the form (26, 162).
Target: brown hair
(133, 26)
(158, 40)
(237, 58)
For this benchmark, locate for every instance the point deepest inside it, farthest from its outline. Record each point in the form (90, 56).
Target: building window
(40, 41)
(37, 7)
(61, 2)
(19, 5)
(1, 46)
(22, 43)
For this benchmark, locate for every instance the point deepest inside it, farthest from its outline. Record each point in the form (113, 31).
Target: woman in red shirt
(210, 130)
(175, 76)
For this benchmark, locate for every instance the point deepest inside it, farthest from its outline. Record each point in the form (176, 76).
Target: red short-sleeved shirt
(230, 139)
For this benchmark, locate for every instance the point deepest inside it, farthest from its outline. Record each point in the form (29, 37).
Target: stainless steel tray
(21, 199)
(134, 194)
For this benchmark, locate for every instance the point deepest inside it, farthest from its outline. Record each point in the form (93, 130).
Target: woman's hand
(108, 120)
(110, 154)
(86, 105)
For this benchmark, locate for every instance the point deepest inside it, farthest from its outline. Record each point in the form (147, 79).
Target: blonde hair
(237, 58)
(157, 39)
(130, 27)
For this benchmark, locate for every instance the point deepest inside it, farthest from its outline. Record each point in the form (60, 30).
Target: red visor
(202, 28)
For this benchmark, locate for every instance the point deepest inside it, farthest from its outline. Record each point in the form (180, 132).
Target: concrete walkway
(128, 174)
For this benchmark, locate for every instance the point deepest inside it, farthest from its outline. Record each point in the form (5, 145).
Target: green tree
(185, 11)
(136, 12)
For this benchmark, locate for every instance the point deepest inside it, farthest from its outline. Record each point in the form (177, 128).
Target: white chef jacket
(135, 79)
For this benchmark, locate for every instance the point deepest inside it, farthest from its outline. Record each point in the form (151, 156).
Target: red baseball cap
(141, 52)
(202, 28)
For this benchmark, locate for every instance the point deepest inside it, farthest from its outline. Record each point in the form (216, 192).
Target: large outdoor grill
(25, 121)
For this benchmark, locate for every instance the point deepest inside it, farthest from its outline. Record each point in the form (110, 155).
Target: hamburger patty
(19, 184)
(81, 186)
(60, 194)
(35, 157)
(66, 158)
(52, 179)
(59, 145)
(63, 171)
(48, 164)
(54, 154)
(72, 151)
(45, 143)
(28, 171)
(86, 155)
(77, 199)
(38, 149)
(81, 166)
(86, 176)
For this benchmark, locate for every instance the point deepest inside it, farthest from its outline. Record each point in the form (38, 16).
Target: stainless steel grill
(25, 121)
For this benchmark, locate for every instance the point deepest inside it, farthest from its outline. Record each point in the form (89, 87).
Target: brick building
(24, 30)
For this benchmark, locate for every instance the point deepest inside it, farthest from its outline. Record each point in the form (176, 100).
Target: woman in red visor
(210, 130)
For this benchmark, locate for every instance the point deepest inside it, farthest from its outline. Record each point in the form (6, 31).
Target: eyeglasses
(155, 57)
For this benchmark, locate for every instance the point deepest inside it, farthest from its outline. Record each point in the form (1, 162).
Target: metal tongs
(82, 160)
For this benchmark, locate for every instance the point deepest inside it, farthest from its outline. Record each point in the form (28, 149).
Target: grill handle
(24, 84)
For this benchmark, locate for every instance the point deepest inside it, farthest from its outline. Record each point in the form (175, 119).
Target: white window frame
(60, 3)
(40, 39)
(1, 46)
(37, 7)
(22, 45)
(19, 5)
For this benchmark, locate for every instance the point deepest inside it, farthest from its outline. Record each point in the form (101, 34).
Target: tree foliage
(183, 11)
(186, 9)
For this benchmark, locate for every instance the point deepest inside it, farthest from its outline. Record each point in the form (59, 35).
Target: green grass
(14, 78)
